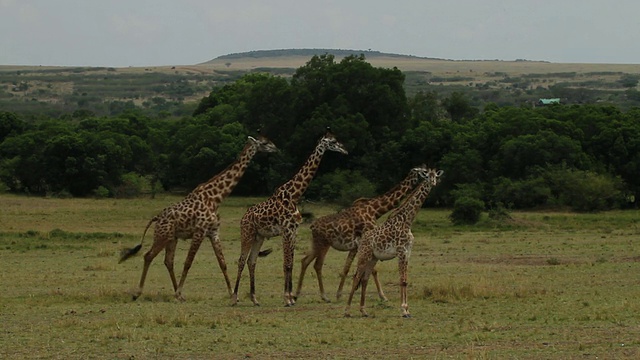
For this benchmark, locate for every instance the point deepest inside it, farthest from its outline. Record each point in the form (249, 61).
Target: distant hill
(340, 53)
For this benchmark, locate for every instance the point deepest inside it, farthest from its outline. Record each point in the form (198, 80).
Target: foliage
(585, 190)
(342, 186)
(467, 207)
(585, 157)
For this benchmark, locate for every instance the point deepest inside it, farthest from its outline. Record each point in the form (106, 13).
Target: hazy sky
(182, 32)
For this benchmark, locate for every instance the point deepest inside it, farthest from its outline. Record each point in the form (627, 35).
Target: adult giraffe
(392, 238)
(279, 215)
(196, 217)
(342, 231)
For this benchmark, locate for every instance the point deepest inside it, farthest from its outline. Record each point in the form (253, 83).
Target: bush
(343, 186)
(586, 190)
(521, 194)
(466, 211)
(101, 192)
(499, 212)
(132, 185)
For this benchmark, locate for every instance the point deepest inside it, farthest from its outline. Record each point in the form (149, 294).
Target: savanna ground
(26, 87)
(543, 285)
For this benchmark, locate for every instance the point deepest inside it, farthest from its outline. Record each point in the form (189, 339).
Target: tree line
(585, 157)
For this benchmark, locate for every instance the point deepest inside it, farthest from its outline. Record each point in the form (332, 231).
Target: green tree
(458, 107)
(425, 106)
(10, 124)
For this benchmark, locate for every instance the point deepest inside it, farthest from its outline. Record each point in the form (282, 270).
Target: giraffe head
(419, 173)
(433, 176)
(329, 142)
(263, 144)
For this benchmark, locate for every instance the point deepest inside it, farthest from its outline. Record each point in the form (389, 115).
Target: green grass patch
(551, 285)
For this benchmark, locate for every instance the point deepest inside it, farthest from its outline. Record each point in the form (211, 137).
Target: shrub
(132, 185)
(343, 186)
(522, 194)
(466, 210)
(101, 192)
(499, 212)
(586, 190)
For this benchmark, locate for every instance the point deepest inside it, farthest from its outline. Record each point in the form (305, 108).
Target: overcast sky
(182, 32)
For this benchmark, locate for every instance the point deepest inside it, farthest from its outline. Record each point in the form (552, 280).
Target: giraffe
(196, 217)
(279, 215)
(343, 230)
(392, 238)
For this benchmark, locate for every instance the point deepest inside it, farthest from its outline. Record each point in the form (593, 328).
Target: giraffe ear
(252, 139)
(439, 173)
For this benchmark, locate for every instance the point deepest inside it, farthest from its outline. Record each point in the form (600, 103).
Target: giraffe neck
(411, 205)
(387, 201)
(221, 185)
(295, 188)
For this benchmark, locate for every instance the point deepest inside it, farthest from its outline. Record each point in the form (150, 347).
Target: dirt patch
(526, 260)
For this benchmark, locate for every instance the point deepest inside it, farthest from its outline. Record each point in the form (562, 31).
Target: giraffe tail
(264, 253)
(127, 253)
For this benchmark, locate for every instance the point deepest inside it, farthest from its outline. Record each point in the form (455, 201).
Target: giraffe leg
(169, 255)
(374, 272)
(217, 249)
(193, 249)
(357, 277)
(303, 268)
(345, 271)
(363, 292)
(359, 280)
(253, 259)
(317, 266)
(403, 265)
(248, 237)
(158, 245)
(288, 248)
(318, 252)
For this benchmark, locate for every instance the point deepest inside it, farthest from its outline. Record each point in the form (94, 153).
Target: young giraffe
(196, 217)
(392, 238)
(279, 215)
(343, 230)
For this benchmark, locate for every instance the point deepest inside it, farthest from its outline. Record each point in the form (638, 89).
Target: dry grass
(435, 66)
(483, 292)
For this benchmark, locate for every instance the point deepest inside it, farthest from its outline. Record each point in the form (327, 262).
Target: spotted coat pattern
(393, 238)
(196, 217)
(279, 215)
(342, 231)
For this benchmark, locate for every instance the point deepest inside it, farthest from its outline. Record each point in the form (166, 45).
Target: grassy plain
(543, 285)
(25, 88)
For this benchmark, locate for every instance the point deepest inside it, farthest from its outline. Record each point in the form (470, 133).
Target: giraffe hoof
(406, 316)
